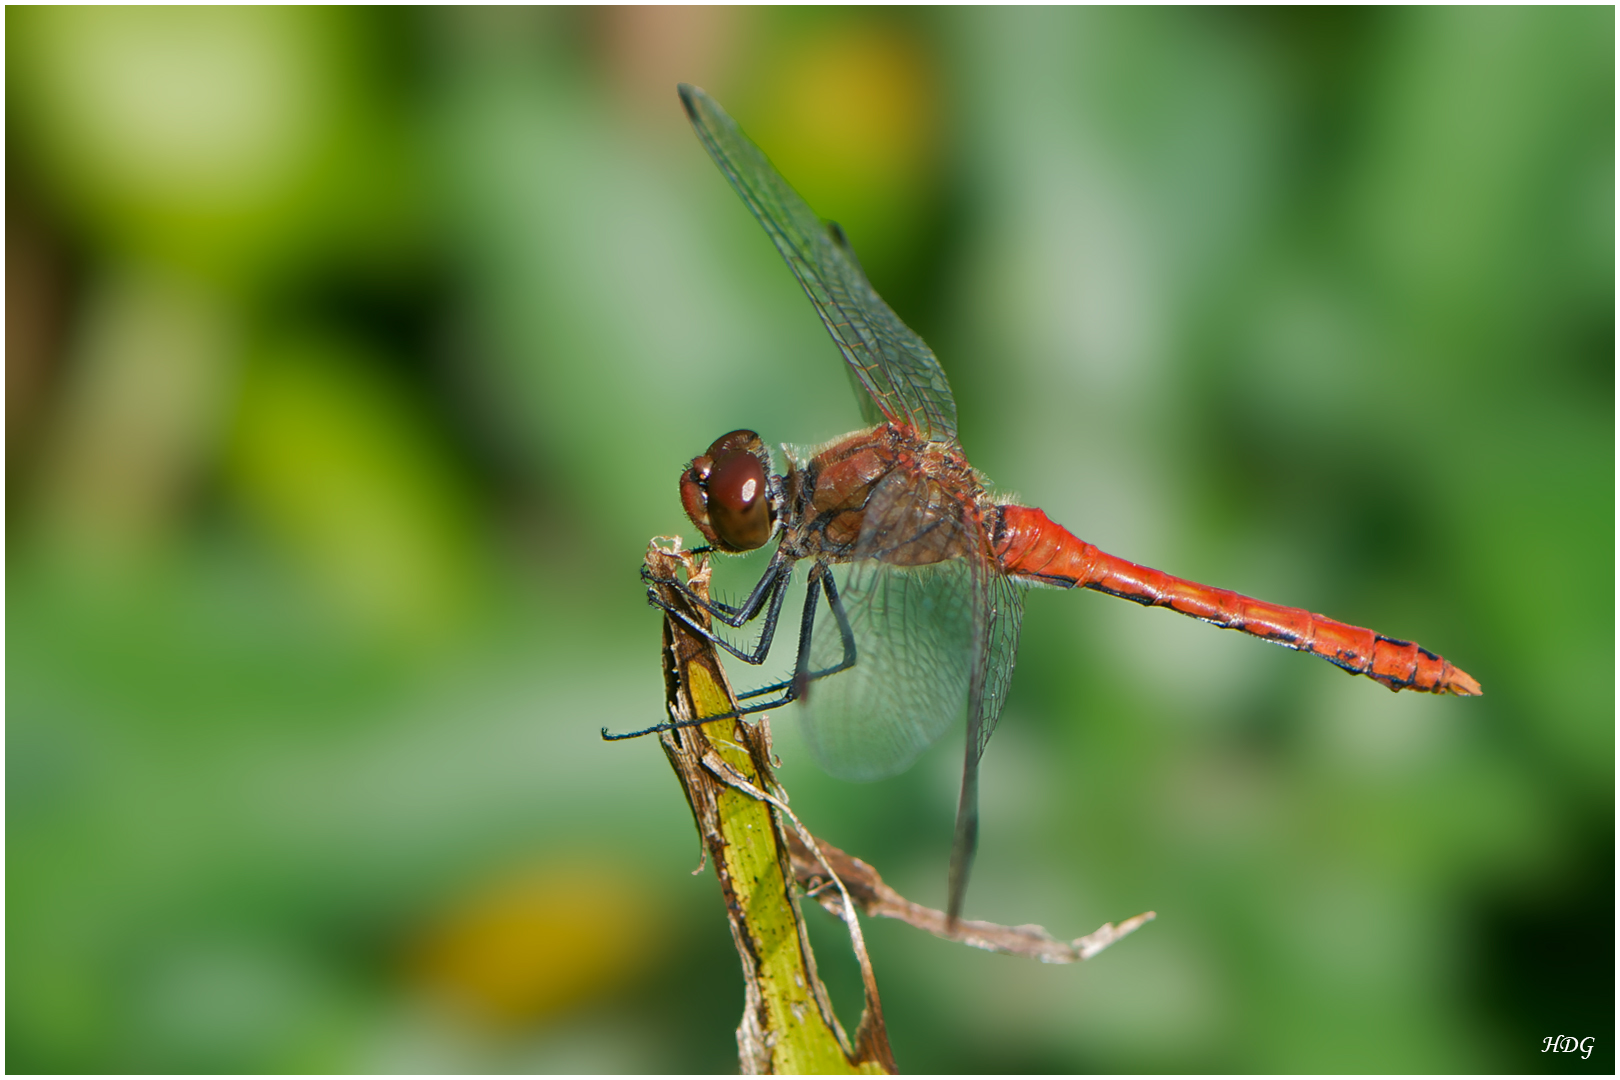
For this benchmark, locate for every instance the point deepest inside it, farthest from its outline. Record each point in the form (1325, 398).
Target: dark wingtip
(840, 240)
(956, 888)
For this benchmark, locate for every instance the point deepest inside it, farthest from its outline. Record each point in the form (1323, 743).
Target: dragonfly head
(729, 493)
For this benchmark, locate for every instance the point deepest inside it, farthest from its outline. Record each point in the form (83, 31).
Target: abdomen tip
(1463, 684)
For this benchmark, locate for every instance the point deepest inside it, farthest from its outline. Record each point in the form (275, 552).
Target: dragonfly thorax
(911, 485)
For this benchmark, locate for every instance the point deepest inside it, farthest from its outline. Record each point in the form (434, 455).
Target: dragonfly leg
(845, 634)
(791, 688)
(671, 725)
(775, 576)
(769, 593)
(740, 713)
(802, 675)
(768, 689)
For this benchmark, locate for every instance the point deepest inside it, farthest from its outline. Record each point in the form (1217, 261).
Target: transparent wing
(1000, 652)
(893, 365)
(936, 633)
(917, 520)
(911, 599)
(1001, 605)
(913, 629)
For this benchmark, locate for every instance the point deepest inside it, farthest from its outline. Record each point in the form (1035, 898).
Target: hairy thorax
(929, 497)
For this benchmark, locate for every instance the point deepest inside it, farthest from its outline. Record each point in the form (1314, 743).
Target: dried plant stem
(788, 1024)
(762, 852)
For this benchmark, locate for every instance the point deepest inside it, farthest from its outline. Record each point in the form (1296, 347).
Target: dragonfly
(920, 567)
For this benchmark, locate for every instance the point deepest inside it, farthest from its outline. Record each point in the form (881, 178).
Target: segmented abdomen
(1030, 545)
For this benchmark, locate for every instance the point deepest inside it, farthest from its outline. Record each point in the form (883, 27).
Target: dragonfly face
(730, 495)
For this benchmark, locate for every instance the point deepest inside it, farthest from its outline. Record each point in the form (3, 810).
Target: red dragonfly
(922, 568)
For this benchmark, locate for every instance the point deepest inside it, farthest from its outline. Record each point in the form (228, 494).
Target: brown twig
(875, 897)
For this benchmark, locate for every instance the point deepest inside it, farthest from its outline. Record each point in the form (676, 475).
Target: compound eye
(739, 507)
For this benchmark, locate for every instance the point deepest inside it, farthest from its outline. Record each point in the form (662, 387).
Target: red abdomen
(1030, 545)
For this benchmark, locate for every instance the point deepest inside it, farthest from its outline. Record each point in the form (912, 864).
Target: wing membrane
(898, 371)
(909, 596)
(913, 645)
(1004, 619)
(936, 632)
(999, 608)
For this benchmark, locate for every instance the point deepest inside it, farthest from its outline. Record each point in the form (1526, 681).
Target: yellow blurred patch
(531, 945)
(850, 115)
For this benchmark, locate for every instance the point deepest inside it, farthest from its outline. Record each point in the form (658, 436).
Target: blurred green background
(352, 357)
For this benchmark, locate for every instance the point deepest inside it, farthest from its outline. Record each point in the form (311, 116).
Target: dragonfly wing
(1004, 615)
(1000, 605)
(871, 414)
(914, 520)
(913, 634)
(896, 369)
(910, 601)
(936, 631)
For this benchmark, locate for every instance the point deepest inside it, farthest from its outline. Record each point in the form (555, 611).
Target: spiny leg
(772, 586)
(671, 725)
(735, 617)
(845, 634)
(792, 689)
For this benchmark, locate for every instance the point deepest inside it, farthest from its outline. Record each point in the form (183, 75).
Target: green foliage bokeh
(352, 357)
